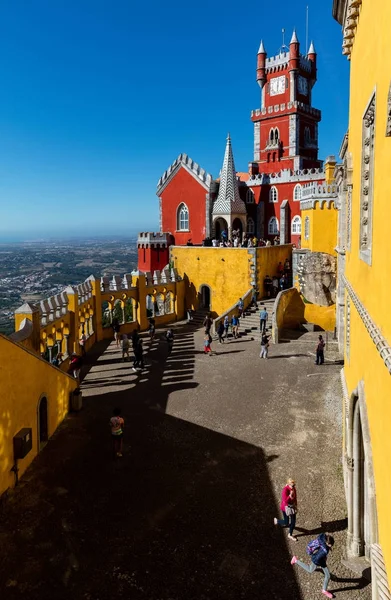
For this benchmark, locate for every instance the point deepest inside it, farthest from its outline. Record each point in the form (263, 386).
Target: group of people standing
(238, 240)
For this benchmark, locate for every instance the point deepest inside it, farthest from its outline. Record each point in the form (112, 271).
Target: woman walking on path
(220, 332)
(289, 508)
(226, 326)
(318, 550)
(117, 428)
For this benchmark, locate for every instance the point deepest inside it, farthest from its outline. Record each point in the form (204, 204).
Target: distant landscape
(33, 270)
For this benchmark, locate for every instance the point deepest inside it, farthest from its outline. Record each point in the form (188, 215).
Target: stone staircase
(249, 324)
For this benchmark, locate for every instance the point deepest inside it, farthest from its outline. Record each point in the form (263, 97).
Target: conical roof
(294, 39)
(312, 48)
(228, 201)
(261, 48)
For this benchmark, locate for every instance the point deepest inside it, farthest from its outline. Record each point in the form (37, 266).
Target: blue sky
(98, 98)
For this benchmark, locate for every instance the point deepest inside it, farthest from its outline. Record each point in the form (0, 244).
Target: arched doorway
(220, 225)
(237, 225)
(205, 297)
(43, 427)
(362, 511)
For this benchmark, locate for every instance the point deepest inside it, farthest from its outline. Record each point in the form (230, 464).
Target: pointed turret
(311, 49)
(261, 65)
(294, 51)
(261, 48)
(228, 200)
(294, 39)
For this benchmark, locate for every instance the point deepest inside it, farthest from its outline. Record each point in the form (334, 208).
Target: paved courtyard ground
(187, 513)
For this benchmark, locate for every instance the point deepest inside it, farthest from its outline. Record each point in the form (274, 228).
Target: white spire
(294, 39)
(228, 201)
(312, 48)
(261, 48)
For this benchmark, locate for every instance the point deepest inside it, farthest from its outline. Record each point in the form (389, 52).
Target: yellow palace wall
(227, 271)
(25, 378)
(323, 228)
(371, 72)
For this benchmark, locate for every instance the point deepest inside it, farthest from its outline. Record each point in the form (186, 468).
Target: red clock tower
(286, 125)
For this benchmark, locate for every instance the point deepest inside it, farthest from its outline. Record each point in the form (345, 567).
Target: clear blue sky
(98, 98)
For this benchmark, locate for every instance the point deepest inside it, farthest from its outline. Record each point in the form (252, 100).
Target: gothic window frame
(273, 194)
(250, 196)
(273, 226)
(388, 126)
(307, 228)
(183, 218)
(297, 193)
(250, 225)
(271, 136)
(367, 180)
(296, 225)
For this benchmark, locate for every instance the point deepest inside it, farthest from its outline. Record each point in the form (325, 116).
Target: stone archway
(42, 422)
(237, 225)
(220, 225)
(205, 297)
(361, 495)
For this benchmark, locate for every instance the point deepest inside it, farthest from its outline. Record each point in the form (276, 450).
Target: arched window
(250, 197)
(273, 194)
(271, 136)
(297, 192)
(296, 225)
(307, 228)
(183, 218)
(250, 225)
(276, 135)
(272, 226)
(307, 134)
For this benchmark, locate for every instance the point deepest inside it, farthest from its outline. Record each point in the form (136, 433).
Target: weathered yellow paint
(25, 378)
(323, 316)
(227, 271)
(370, 73)
(323, 221)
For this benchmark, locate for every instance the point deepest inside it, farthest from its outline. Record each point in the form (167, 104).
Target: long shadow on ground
(186, 513)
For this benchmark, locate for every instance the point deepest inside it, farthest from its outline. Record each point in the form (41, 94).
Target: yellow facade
(20, 397)
(322, 227)
(367, 293)
(227, 272)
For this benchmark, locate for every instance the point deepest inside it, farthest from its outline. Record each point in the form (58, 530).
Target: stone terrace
(188, 511)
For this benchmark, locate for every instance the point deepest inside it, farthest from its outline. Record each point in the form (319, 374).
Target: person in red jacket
(289, 508)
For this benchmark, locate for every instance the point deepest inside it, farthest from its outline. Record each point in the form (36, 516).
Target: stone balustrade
(296, 104)
(286, 176)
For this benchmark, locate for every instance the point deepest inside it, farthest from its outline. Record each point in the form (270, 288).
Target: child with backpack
(318, 550)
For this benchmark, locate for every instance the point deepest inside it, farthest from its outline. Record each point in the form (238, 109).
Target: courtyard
(188, 511)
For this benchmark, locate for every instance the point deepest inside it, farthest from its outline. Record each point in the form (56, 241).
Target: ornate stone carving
(366, 200)
(317, 278)
(349, 216)
(350, 462)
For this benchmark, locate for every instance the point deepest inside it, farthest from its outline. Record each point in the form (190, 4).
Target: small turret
(312, 52)
(261, 64)
(294, 51)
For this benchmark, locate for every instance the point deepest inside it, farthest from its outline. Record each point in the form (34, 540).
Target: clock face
(302, 86)
(277, 85)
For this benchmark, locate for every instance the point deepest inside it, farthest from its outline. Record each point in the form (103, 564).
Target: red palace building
(265, 201)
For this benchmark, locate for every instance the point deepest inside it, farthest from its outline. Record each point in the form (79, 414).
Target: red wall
(184, 188)
(152, 259)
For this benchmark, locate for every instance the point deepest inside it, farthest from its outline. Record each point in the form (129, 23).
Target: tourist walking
(264, 346)
(151, 329)
(125, 345)
(267, 282)
(320, 351)
(135, 338)
(170, 339)
(254, 297)
(275, 286)
(318, 550)
(263, 317)
(138, 349)
(240, 307)
(82, 343)
(207, 344)
(117, 424)
(117, 330)
(226, 326)
(235, 326)
(220, 332)
(289, 508)
(207, 323)
(75, 365)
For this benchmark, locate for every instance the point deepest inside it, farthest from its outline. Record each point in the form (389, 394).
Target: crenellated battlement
(277, 108)
(286, 176)
(151, 239)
